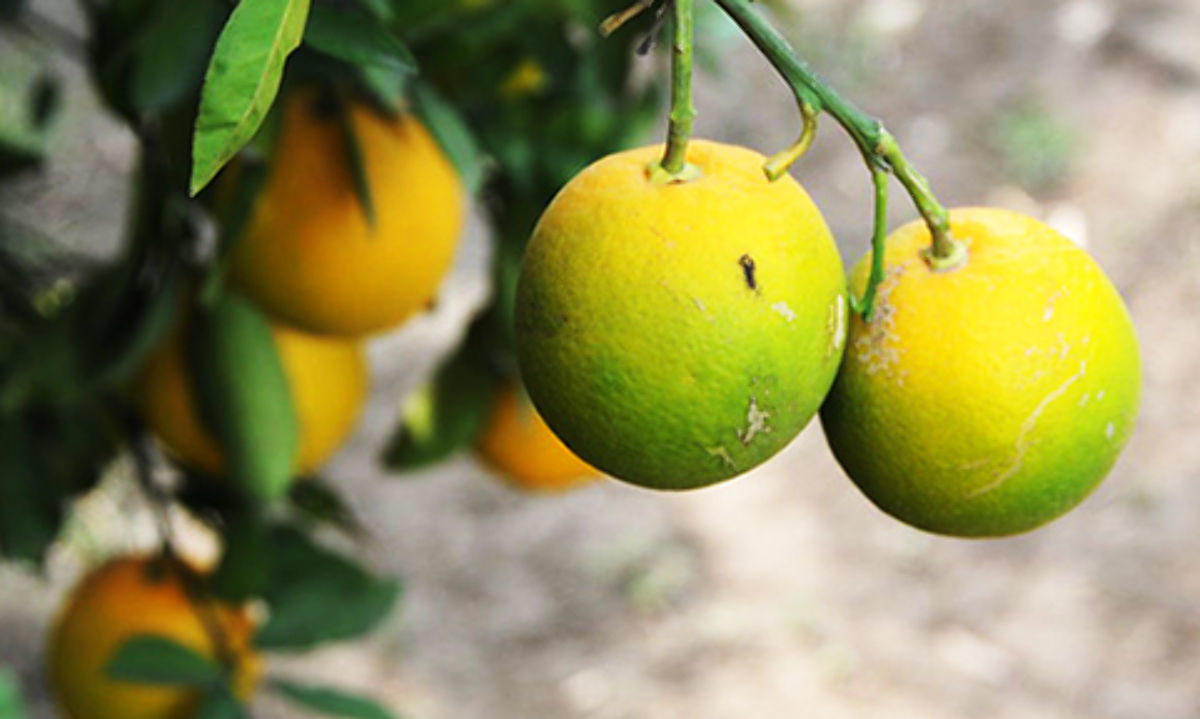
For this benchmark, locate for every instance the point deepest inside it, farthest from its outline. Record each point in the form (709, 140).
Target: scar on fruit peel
(835, 325)
(784, 310)
(1022, 445)
(756, 423)
(747, 263)
(723, 454)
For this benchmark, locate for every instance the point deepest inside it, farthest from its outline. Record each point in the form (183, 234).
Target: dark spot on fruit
(747, 264)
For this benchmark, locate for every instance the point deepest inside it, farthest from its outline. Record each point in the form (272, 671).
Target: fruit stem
(674, 167)
(877, 145)
(778, 164)
(865, 305)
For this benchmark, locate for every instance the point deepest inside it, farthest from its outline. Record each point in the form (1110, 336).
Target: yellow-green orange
(992, 398)
(124, 598)
(675, 335)
(311, 256)
(517, 443)
(327, 377)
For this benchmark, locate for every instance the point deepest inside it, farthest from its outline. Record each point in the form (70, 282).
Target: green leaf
(381, 10)
(316, 596)
(329, 701)
(445, 415)
(218, 702)
(357, 39)
(242, 573)
(150, 659)
(243, 394)
(172, 50)
(242, 80)
(451, 132)
(357, 162)
(314, 499)
(28, 102)
(30, 508)
(12, 704)
(9, 10)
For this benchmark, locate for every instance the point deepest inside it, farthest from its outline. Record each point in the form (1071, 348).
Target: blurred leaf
(242, 80)
(381, 10)
(218, 702)
(24, 121)
(243, 394)
(239, 190)
(329, 701)
(357, 162)
(316, 500)
(452, 133)
(29, 505)
(9, 10)
(445, 415)
(242, 572)
(357, 39)
(16, 157)
(151, 659)
(172, 51)
(12, 704)
(316, 596)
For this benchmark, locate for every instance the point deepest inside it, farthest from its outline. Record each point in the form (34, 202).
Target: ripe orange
(989, 399)
(124, 598)
(327, 377)
(309, 254)
(675, 335)
(518, 444)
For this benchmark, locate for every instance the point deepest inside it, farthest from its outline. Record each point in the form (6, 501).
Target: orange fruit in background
(310, 256)
(989, 399)
(675, 335)
(124, 598)
(328, 381)
(517, 443)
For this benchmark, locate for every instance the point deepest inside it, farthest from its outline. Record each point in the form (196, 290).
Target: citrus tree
(669, 315)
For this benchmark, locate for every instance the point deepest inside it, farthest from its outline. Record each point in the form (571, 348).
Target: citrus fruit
(988, 399)
(125, 598)
(518, 444)
(309, 253)
(677, 334)
(327, 377)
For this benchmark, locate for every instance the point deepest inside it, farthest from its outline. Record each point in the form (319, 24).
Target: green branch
(877, 145)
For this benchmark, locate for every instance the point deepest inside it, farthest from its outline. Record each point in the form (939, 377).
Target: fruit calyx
(954, 255)
(659, 175)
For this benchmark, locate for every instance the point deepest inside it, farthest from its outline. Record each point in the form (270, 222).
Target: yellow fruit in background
(518, 444)
(124, 598)
(327, 377)
(989, 399)
(309, 254)
(675, 335)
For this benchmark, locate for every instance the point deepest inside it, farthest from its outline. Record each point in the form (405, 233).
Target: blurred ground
(784, 593)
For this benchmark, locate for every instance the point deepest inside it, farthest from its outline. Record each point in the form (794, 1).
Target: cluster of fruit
(676, 334)
(327, 276)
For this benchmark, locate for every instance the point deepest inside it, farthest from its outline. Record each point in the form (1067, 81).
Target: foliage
(196, 84)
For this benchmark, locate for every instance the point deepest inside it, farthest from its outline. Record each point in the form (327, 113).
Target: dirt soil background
(785, 593)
